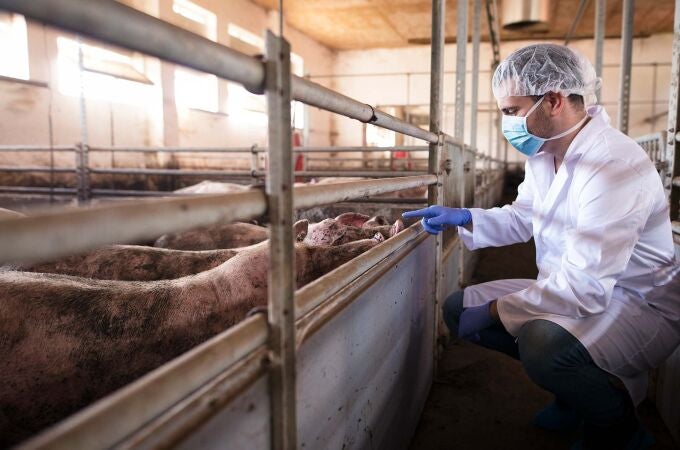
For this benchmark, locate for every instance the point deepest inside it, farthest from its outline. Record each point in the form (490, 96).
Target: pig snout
(398, 227)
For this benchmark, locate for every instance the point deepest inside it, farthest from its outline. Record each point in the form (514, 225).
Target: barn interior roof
(363, 24)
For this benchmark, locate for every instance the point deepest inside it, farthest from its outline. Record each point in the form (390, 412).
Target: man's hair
(574, 99)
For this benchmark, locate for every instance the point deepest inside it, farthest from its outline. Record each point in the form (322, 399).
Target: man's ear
(555, 102)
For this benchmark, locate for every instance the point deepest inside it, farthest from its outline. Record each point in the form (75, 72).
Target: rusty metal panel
(244, 423)
(363, 378)
(469, 162)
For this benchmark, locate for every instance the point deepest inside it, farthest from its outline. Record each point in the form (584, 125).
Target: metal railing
(239, 355)
(369, 167)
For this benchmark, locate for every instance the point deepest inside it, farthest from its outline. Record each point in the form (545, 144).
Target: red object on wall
(299, 159)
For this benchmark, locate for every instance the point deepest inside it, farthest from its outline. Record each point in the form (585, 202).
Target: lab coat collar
(584, 140)
(548, 184)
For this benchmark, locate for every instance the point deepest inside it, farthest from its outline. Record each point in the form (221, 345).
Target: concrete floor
(483, 400)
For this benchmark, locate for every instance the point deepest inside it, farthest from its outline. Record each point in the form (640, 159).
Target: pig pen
(345, 361)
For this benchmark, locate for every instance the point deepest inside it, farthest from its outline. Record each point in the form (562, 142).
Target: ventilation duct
(518, 14)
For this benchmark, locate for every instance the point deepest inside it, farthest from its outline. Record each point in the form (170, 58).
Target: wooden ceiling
(362, 24)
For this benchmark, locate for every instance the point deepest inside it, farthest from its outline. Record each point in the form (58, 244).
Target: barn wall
(153, 118)
(400, 89)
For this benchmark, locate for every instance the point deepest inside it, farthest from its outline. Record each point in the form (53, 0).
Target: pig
(419, 192)
(68, 341)
(134, 263)
(212, 187)
(8, 214)
(349, 227)
(219, 236)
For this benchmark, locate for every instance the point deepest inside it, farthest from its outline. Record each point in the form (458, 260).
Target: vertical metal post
(461, 54)
(82, 157)
(626, 60)
(435, 193)
(279, 184)
(600, 24)
(254, 161)
(672, 154)
(474, 101)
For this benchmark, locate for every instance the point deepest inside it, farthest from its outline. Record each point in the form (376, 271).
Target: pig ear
(398, 227)
(380, 220)
(352, 218)
(300, 229)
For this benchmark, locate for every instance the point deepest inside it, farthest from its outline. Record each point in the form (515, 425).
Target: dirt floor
(483, 400)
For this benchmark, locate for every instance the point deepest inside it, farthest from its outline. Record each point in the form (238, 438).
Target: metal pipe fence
(51, 235)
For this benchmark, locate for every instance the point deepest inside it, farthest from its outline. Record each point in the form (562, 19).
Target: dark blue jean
(559, 363)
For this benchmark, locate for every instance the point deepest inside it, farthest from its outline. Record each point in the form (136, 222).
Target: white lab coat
(603, 243)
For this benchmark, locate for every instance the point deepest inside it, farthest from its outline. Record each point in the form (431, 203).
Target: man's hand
(473, 320)
(436, 218)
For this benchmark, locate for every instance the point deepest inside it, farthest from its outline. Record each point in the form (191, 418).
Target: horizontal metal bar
(182, 172)
(395, 201)
(408, 148)
(36, 148)
(48, 236)
(367, 160)
(106, 422)
(36, 169)
(358, 173)
(411, 148)
(196, 409)
(317, 95)
(176, 149)
(312, 295)
(38, 190)
(321, 194)
(137, 193)
(452, 72)
(120, 25)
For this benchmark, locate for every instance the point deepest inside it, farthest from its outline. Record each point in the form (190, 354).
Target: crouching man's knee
(549, 352)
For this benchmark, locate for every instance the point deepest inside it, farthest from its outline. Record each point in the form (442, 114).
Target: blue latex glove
(436, 218)
(473, 320)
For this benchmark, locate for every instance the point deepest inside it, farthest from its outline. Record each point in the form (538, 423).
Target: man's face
(538, 123)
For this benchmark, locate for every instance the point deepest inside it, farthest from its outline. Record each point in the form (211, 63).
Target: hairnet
(541, 68)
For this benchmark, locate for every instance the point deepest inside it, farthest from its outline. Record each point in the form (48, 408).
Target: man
(593, 323)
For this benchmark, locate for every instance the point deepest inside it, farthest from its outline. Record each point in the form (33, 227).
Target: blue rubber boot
(640, 440)
(557, 417)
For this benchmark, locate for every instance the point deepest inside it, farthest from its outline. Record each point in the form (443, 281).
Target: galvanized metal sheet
(243, 424)
(363, 378)
(452, 269)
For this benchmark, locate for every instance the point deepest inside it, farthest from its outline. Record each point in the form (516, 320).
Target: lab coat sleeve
(496, 227)
(613, 206)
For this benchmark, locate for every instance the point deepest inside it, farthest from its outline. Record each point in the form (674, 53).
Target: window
(240, 102)
(297, 113)
(380, 137)
(243, 103)
(14, 48)
(244, 41)
(195, 18)
(112, 75)
(195, 89)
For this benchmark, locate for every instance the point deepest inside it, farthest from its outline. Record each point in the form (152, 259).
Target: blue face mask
(516, 132)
